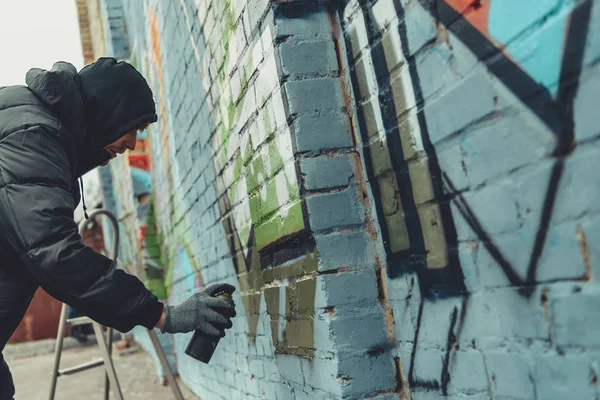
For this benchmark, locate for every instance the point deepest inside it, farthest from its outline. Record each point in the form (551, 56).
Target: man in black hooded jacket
(59, 126)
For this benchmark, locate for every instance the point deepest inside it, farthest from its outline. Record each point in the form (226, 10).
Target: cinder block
(428, 365)
(467, 102)
(572, 198)
(271, 371)
(236, 394)
(326, 172)
(467, 371)
(335, 210)
(290, 368)
(308, 58)
(256, 368)
(322, 132)
(499, 197)
(322, 374)
(322, 337)
(365, 78)
(436, 320)
(363, 332)
(510, 375)
(420, 26)
(520, 316)
(344, 249)
(474, 153)
(252, 386)
(356, 31)
(314, 95)
(256, 9)
(367, 374)
(574, 319)
(566, 376)
(301, 21)
(585, 126)
(349, 291)
(267, 80)
(384, 12)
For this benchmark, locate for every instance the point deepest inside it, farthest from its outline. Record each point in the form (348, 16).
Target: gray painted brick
(256, 368)
(420, 27)
(573, 197)
(290, 368)
(586, 126)
(470, 100)
(472, 158)
(322, 132)
(323, 340)
(565, 377)
(312, 21)
(271, 371)
(314, 95)
(344, 249)
(468, 372)
(348, 290)
(321, 373)
(592, 45)
(361, 332)
(326, 172)
(368, 374)
(573, 321)
(335, 210)
(357, 33)
(502, 199)
(384, 12)
(511, 375)
(308, 58)
(518, 316)
(428, 364)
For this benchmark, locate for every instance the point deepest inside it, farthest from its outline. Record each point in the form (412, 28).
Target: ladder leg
(165, 364)
(108, 364)
(109, 332)
(62, 325)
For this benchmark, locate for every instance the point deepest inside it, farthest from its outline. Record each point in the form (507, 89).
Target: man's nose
(130, 145)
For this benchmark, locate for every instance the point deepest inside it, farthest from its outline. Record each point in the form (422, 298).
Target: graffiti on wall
(262, 212)
(413, 194)
(256, 179)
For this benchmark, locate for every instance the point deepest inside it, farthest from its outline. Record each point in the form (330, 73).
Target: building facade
(402, 191)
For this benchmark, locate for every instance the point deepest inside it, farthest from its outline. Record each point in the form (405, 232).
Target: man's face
(119, 146)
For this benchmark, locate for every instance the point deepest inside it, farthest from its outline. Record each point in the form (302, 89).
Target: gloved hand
(201, 312)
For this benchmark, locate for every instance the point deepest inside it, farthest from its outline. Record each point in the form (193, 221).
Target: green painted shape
(275, 157)
(280, 226)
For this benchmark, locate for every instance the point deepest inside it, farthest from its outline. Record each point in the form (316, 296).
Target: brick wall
(402, 192)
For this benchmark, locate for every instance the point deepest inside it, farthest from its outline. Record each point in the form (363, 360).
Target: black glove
(202, 312)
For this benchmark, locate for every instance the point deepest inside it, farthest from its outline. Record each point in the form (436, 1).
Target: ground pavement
(136, 373)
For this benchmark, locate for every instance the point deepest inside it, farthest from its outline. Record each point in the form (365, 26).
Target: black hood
(117, 99)
(98, 105)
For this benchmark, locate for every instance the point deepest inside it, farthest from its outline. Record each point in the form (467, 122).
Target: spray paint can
(202, 347)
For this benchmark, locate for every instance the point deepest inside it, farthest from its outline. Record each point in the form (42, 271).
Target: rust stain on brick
(583, 245)
(545, 306)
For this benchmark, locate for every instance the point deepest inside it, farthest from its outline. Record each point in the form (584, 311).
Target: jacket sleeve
(36, 217)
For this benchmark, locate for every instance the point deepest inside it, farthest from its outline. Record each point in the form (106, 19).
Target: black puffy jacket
(52, 131)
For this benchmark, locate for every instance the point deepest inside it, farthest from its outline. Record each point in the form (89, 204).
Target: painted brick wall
(480, 163)
(401, 191)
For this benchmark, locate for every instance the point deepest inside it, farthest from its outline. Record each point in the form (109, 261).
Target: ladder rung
(79, 321)
(81, 367)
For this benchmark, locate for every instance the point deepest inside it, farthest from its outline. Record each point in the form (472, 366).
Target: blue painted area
(142, 181)
(540, 53)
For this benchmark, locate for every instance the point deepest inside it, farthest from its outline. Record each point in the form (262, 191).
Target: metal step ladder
(104, 344)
